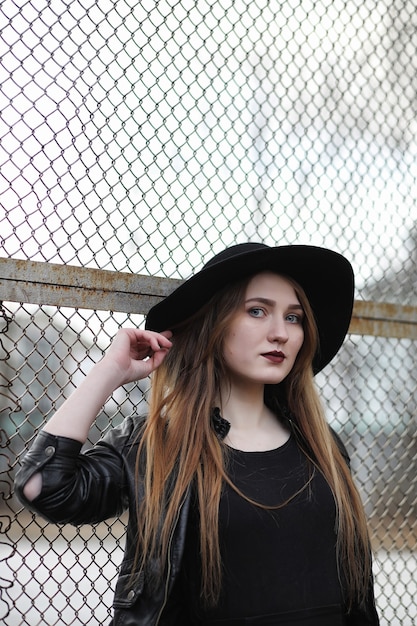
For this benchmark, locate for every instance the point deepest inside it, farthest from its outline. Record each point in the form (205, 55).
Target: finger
(156, 359)
(158, 341)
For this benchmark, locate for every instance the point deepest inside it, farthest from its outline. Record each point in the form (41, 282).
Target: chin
(273, 381)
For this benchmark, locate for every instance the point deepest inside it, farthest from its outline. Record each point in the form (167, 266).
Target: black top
(275, 561)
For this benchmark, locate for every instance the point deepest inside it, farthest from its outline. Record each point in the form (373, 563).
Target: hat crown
(234, 251)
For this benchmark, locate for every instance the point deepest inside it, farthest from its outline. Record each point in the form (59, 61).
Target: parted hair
(183, 451)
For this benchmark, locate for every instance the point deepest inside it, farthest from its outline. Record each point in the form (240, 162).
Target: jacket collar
(220, 425)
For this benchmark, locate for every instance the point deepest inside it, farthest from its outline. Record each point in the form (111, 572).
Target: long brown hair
(183, 451)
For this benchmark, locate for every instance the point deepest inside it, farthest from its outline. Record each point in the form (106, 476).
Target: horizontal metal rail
(384, 319)
(80, 287)
(87, 288)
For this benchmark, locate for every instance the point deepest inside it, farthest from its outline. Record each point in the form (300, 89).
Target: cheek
(229, 345)
(299, 340)
(236, 349)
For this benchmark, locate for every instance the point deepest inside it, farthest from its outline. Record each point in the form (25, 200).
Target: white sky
(142, 139)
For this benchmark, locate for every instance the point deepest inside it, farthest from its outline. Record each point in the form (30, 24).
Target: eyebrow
(269, 302)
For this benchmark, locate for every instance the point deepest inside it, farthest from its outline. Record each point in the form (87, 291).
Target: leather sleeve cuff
(42, 453)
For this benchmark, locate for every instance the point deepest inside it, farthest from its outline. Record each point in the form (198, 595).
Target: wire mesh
(143, 137)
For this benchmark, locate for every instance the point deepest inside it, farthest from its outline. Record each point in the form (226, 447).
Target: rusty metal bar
(80, 287)
(384, 319)
(87, 288)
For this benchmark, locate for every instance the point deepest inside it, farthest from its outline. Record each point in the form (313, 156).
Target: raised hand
(135, 353)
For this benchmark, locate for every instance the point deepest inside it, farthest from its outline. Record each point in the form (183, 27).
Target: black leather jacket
(88, 488)
(99, 484)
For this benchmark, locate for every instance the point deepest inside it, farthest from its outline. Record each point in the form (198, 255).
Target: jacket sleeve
(364, 615)
(80, 487)
(360, 615)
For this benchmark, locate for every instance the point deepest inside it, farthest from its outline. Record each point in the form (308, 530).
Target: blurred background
(142, 140)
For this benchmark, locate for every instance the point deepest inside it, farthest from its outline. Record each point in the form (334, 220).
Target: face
(266, 334)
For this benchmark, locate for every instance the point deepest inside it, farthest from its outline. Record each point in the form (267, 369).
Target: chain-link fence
(141, 138)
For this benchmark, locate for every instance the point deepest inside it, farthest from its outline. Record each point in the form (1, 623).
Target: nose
(278, 331)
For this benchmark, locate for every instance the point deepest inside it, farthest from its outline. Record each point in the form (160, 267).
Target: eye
(256, 311)
(293, 318)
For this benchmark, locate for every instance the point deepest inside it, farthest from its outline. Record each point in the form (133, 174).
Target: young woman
(242, 508)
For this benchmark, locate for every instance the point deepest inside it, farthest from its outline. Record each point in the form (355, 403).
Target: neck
(252, 425)
(243, 406)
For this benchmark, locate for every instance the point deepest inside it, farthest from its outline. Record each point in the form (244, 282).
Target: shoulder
(124, 437)
(341, 446)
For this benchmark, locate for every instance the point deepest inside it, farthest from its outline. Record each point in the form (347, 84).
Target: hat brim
(326, 277)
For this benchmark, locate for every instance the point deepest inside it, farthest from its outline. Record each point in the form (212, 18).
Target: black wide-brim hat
(326, 277)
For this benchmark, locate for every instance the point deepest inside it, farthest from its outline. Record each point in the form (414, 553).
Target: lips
(274, 356)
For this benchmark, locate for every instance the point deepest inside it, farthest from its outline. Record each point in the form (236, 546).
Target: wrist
(106, 375)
